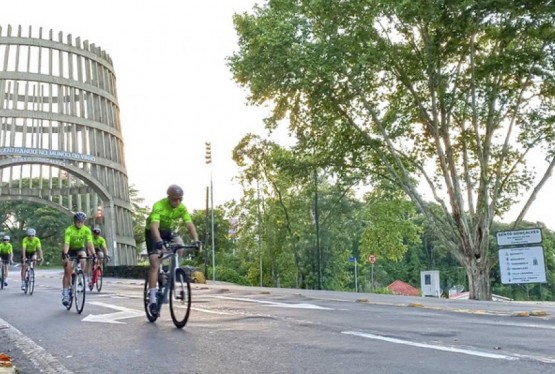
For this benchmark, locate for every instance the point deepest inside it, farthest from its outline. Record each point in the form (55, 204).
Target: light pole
(259, 231)
(208, 157)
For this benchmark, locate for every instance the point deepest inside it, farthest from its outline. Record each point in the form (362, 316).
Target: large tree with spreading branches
(449, 99)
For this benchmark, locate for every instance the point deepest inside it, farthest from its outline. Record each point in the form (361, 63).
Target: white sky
(174, 88)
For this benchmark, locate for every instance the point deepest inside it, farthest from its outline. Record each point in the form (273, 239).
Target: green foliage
(49, 223)
(139, 213)
(391, 228)
(226, 274)
(452, 94)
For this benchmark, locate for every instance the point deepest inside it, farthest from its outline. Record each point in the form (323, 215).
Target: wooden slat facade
(60, 131)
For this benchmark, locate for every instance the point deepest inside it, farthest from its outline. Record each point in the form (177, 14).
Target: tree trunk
(478, 280)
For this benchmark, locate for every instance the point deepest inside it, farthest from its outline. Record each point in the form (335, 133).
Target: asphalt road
(266, 330)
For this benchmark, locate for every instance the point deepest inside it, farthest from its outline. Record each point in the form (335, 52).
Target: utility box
(429, 283)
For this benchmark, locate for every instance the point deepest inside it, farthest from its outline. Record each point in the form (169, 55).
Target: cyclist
(165, 215)
(6, 252)
(100, 248)
(29, 247)
(77, 242)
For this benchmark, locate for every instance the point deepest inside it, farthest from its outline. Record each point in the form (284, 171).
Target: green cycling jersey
(99, 242)
(168, 216)
(31, 244)
(6, 248)
(77, 238)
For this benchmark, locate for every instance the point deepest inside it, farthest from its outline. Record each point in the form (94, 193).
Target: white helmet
(6, 237)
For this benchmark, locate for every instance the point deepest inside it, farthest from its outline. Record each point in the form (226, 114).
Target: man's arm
(192, 231)
(155, 231)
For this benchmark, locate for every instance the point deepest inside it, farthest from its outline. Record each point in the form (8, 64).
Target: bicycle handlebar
(175, 247)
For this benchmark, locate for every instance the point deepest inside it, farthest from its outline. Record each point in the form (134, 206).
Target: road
(236, 329)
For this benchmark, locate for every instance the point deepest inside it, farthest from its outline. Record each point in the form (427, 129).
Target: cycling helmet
(6, 237)
(175, 191)
(31, 232)
(96, 230)
(80, 216)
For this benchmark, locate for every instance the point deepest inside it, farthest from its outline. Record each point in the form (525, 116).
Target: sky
(174, 89)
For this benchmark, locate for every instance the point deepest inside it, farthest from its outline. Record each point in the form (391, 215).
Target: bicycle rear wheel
(98, 277)
(80, 290)
(146, 299)
(180, 298)
(30, 280)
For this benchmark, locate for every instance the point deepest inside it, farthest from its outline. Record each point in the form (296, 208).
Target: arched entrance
(60, 132)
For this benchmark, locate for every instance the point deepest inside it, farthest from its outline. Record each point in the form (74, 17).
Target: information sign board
(522, 265)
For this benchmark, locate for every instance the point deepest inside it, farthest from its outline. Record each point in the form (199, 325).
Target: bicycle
(96, 273)
(77, 285)
(29, 279)
(174, 281)
(2, 274)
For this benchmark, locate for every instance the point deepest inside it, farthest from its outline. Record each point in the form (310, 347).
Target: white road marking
(275, 304)
(212, 311)
(430, 346)
(123, 313)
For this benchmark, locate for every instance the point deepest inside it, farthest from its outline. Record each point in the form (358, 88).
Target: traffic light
(208, 154)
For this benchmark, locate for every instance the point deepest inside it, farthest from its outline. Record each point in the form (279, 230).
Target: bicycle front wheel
(1, 276)
(80, 290)
(98, 279)
(180, 298)
(30, 280)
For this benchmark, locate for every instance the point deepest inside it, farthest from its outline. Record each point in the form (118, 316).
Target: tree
(448, 99)
(139, 212)
(49, 223)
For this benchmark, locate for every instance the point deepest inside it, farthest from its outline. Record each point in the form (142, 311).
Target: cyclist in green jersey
(6, 253)
(29, 247)
(77, 242)
(163, 218)
(99, 244)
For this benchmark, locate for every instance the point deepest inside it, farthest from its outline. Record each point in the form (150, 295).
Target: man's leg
(68, 269)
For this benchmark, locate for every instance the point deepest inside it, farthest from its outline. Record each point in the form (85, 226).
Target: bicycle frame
(174, 265)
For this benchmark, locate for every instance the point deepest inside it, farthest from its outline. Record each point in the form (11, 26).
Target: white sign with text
(519, 237)
(522, 265)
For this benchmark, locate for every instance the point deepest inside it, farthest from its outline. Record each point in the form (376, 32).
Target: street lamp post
(259, 231)
(208, 157)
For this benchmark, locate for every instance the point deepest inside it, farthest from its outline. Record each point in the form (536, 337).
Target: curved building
(60, 132)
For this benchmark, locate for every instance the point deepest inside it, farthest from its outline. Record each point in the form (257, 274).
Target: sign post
(372, 259)
(354, 259)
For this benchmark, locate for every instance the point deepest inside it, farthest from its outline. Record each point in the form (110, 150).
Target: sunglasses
(176, 198)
